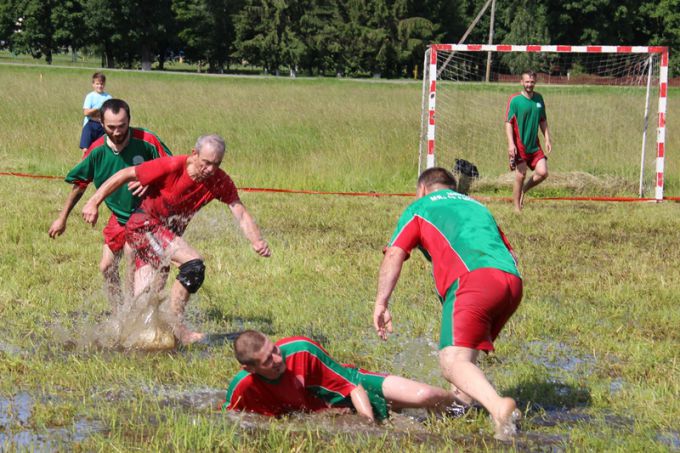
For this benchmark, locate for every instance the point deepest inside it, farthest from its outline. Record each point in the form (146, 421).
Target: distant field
(591, 355)
(328, 134)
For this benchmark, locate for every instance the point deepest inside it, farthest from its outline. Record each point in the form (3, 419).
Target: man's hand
(382, 320)
(548, 146)
(262, 248)
(137, 189)
(57, 228)
(90, 213)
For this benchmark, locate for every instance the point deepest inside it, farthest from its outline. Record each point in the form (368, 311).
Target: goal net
(605, 105)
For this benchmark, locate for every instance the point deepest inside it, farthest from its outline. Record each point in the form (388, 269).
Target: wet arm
(361, 403)
(249, 228)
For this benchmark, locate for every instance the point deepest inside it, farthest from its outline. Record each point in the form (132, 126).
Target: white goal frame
(429, 101)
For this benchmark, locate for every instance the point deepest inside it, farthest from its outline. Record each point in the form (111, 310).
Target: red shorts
(531, 159)
(150, 239)
(477, 307)
(114, 234)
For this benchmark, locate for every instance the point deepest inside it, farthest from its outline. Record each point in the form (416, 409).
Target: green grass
(595, 337)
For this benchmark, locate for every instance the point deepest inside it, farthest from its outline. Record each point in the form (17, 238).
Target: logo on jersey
(538, 104)
(137, 160)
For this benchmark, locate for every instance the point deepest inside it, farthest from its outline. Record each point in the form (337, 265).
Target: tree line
(318, 37)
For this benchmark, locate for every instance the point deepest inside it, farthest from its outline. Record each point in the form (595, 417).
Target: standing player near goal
(525, 114)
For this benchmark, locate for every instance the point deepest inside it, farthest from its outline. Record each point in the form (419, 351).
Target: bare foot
(187, 336)
(505, 421)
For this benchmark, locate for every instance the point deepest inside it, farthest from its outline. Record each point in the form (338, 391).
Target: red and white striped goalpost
(430, 87)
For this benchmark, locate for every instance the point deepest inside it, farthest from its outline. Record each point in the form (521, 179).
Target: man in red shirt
(178, 187)
(296, 374)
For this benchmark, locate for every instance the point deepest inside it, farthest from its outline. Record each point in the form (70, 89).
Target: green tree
(35, 35)
(661, 23)
(206, 30)
(526, 24)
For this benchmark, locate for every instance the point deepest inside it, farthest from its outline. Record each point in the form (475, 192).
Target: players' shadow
(550, 394)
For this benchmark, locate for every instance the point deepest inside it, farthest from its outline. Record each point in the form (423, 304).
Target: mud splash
(141, 323)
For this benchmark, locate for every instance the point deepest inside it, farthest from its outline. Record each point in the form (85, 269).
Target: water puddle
(670, 439)
(559, 359)
(15, 435)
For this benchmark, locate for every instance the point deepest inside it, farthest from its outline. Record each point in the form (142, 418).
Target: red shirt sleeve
(247, 398)
(153, 170)
(408, 237)
(225, 189)
(505, 239)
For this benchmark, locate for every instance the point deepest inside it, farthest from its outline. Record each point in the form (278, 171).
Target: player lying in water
(297, 374)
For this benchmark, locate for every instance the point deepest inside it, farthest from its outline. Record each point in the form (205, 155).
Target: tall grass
(319, 134)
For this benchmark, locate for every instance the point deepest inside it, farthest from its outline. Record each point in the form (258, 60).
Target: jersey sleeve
(83, 173)
(159, 149)
(325, 377)
(510, 109)
(152, 171)
(226, 191)
(242, 395)
(407, 234)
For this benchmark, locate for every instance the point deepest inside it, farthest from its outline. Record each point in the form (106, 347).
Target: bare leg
(540, 174)
(109, 269)
(462, 397)
(459, 367)
(402, 393)
(129, 254)
(179, 296)
(517, 193)
(149, 278)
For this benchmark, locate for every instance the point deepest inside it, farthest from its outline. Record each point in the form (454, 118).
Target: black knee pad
(191, 275)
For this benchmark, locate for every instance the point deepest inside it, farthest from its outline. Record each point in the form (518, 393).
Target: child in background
(92, 126)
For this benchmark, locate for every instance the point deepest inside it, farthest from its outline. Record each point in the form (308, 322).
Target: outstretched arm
(91, 209)
(546, 133)
(390, 269)
(250, 229)
(59, 225)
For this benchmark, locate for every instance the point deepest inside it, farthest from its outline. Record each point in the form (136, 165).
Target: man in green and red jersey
(296, 374)
(476, 278)
(121, 146)
(178, 187)
(525, 114)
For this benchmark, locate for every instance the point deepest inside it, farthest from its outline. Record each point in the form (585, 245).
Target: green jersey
(456, 233)
(101, 162)
(525, 116)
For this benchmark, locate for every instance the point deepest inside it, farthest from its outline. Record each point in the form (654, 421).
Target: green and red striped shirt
(525, 116)
(456, 233)
(100, 162)
(312, 381)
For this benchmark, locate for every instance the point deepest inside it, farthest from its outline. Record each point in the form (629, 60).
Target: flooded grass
(590, 356)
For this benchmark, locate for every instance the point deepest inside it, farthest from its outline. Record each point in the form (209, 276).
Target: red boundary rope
(378, 194)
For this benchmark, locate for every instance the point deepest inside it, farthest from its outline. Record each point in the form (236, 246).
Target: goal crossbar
(430, 77)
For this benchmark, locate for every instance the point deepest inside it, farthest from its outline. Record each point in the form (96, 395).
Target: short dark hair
(99, 76)
(530, 72)
(247, 344)
(114, 105)
(437, 175)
